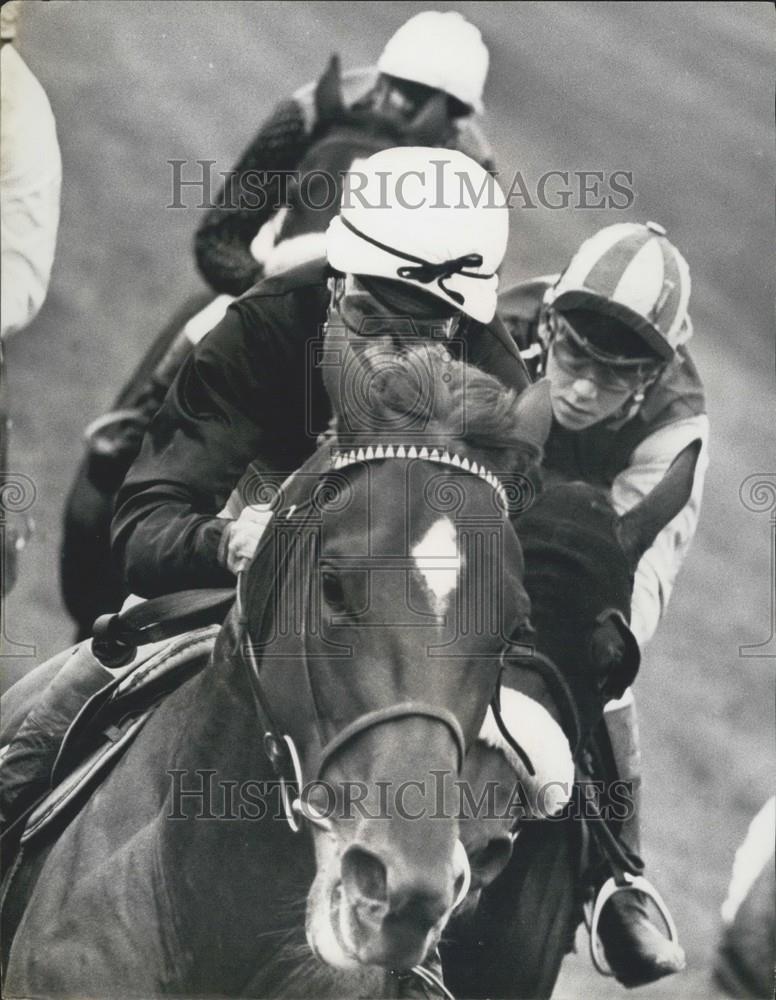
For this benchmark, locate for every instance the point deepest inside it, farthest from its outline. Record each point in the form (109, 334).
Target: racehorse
(361, 655)
(90, 583)
(580, 558)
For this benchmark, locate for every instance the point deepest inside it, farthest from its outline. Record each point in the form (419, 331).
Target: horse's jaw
(348, 935)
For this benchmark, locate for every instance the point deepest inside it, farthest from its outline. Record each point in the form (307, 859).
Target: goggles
(575, 355)
(365, 312)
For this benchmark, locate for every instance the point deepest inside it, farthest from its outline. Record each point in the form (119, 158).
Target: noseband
(279, 747)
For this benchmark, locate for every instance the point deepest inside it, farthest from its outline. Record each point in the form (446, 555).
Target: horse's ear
(431, 124)
(639, 527)
(533, 414)
(329, 102)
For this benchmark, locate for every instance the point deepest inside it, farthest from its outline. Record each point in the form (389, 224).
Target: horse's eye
(333, 593)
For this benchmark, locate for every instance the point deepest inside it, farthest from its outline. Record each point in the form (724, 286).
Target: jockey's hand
(243, 536)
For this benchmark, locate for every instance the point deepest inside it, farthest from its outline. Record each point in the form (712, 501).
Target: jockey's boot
(637, 951)
(28, 759)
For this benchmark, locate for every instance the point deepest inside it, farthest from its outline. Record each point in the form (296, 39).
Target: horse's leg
(515, 942)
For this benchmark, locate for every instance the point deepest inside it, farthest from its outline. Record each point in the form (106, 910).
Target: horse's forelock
(471, 410)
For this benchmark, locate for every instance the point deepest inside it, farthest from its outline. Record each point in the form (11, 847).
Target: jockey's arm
(243, 204)
(239, 396)
(658, 567)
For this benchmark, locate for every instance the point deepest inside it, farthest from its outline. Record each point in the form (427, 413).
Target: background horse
(580, 560)
(91, 584)
(346, 638)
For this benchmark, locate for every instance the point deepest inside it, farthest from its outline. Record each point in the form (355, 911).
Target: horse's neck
(235, 878)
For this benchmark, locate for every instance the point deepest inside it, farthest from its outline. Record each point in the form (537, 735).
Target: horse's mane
(444, 402)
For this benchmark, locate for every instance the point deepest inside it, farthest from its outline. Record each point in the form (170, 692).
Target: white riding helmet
(634, 273)
(433, 218)
(443, 51)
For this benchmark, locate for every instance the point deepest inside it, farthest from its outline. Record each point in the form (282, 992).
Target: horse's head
(343, 135)
(580, 558)
(411, 588)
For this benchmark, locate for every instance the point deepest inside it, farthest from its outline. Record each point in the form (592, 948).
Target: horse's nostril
(364, 875)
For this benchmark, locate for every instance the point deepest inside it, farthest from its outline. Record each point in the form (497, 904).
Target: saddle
(109, 721)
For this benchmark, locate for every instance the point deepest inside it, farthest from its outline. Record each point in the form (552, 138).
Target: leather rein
(117, 636)
(278, 746)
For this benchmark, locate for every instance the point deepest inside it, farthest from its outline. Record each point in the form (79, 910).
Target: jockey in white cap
(431, 54)
(252, 389)
(611, 332)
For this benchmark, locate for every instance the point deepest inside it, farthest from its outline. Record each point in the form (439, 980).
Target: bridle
(278, 745)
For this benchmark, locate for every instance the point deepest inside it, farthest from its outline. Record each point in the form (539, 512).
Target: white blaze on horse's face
(438, 562)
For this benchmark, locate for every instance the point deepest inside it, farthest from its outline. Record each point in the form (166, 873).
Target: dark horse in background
(580, 557)
(343, 663)
(91, 584)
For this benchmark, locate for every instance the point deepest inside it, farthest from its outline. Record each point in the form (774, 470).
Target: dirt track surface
(680, 94)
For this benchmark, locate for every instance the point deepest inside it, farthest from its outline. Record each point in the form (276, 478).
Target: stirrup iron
(611, 887)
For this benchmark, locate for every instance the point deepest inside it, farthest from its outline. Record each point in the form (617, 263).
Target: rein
(279, 747)
(117, 636)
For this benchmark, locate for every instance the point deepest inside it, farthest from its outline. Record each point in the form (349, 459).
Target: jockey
(419, 246)
(432, 53)
(246, 391)
(610, 333)
(427, 87)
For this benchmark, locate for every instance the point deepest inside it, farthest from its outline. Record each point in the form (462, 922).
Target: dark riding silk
(599, 453)
(251, 390)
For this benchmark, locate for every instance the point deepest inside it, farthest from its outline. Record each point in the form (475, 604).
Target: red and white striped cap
(634, 273)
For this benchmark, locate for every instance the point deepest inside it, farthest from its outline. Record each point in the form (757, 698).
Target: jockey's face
(584, 389)
(406, 101)
(396, 313)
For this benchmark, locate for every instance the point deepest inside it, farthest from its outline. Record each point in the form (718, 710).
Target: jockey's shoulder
(302, 288)
(471, 140)
(677, 394)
